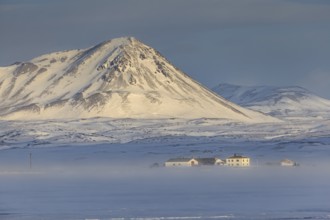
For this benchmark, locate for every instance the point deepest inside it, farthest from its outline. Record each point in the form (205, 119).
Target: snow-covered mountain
(119, 78)
(276, 101)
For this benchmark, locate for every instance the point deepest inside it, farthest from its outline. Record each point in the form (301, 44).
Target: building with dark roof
(210, 161)
(238, 161)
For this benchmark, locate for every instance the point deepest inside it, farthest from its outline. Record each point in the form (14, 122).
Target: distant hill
(276, 101)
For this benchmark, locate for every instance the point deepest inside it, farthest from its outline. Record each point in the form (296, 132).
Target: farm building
(184, 162)
(206, 161)
(211, 161)
(288, 163)
(238, 161)
(219, 162)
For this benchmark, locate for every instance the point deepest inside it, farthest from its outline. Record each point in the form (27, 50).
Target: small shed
(288, 163)
(219, 162)
(184, 162)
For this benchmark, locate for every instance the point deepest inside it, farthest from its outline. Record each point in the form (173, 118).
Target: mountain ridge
(276, 101)
(117, 78)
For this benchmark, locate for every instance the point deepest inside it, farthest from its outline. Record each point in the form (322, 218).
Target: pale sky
(247, 42)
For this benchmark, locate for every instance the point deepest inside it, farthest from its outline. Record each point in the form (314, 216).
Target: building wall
(238, 162)
(182, 164)
(219, 162)
(287, 163)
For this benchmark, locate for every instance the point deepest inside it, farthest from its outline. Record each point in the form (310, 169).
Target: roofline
(238, 157)
(183, 159)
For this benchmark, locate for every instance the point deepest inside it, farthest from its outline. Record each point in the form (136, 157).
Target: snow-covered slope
(119, 78)
(277, 101)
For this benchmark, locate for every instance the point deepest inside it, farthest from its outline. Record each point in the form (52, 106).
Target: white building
(288, 163)
(184, 162)
(238, 161)
(219, 162)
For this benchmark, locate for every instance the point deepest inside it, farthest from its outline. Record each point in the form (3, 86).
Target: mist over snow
(104, 169)
(135, 191)
(101, 168)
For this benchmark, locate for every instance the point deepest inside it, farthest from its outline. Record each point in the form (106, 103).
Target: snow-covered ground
(100, 169)
(35, 134)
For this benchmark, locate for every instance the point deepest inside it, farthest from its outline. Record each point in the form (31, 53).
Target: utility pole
(30, 160)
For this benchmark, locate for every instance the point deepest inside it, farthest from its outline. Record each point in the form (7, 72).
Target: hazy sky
(249, 42)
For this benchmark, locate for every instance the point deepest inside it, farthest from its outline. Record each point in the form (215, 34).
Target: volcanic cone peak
(118, 78)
